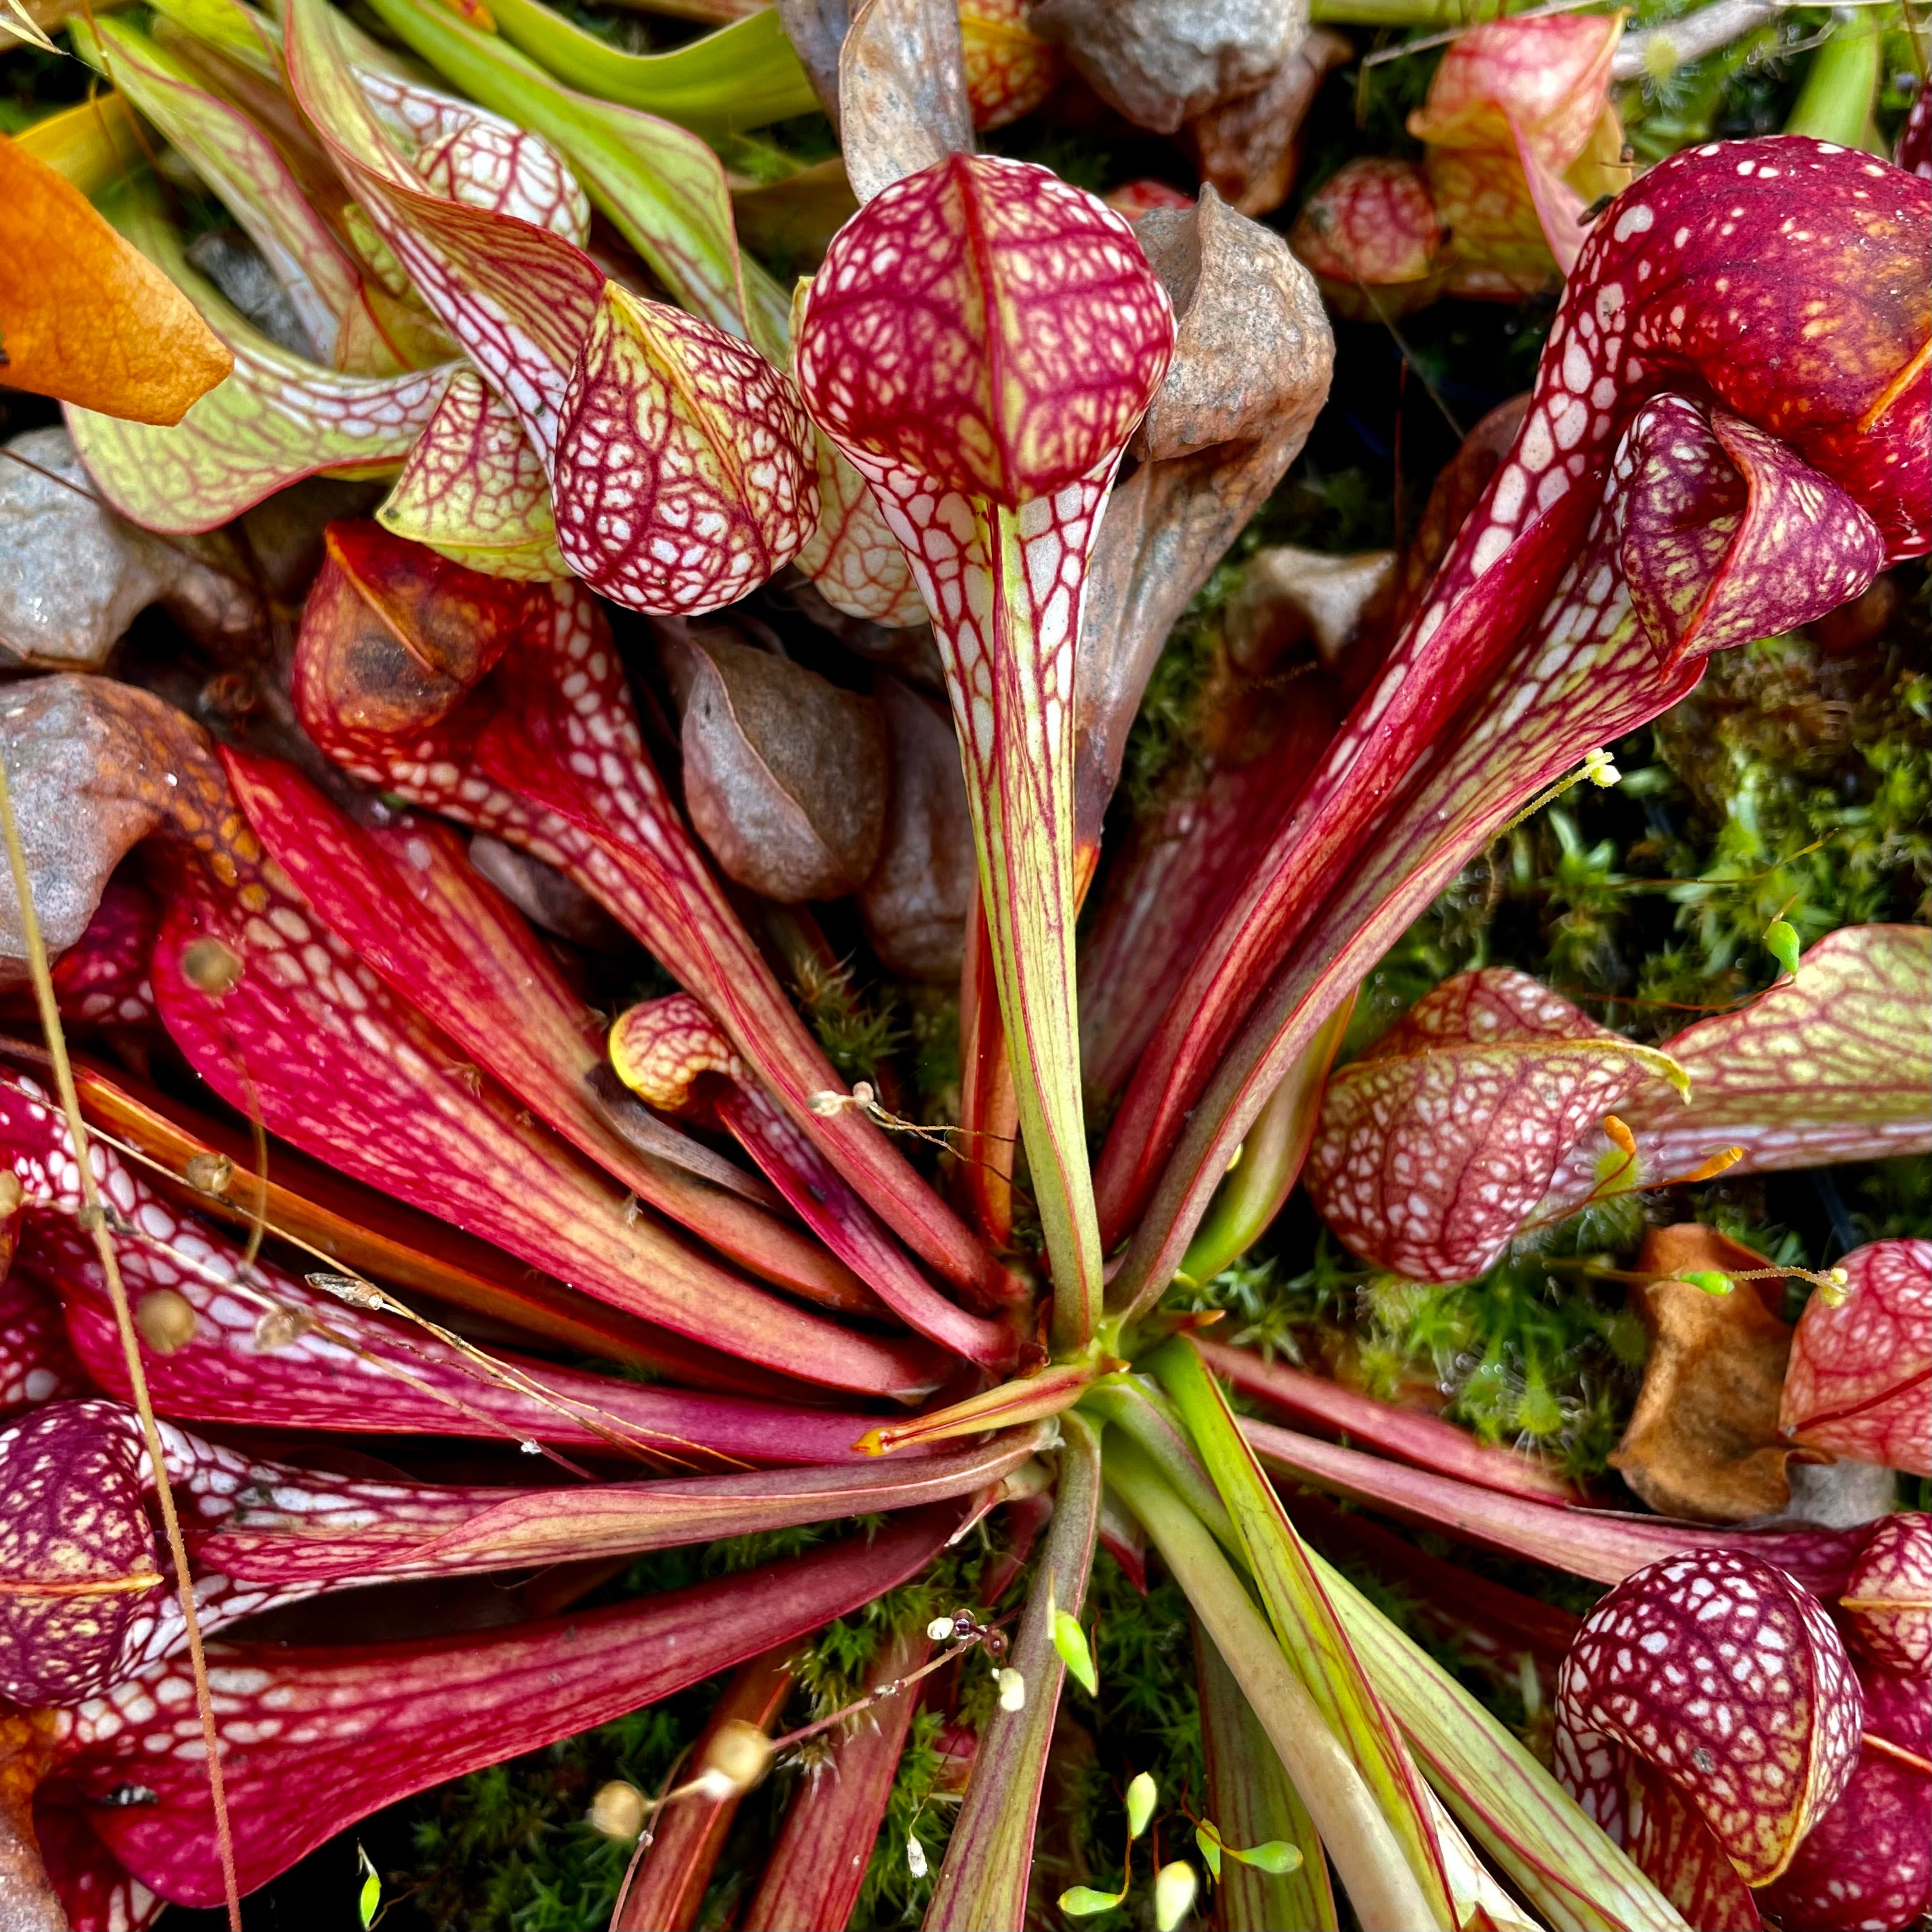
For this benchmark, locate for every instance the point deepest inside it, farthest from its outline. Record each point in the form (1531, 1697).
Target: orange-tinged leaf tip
(87, 318)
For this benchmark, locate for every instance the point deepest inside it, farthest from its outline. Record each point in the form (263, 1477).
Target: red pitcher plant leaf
(36, 1362)
(254, 1342)
(1831, 1064)
(816, 1869)
(1372, 234)
(607, 386)
(1435, 1144)
(85, 1604)
(1009, 71)
(275, 420)
(1866, 1866)
(1604, 1545)
(1726, 1680)
(663, 1049)
(351, 1227)
(406, 899)
(294, 1023)
(1531, 93)
(1425, 1442)
(473, 489)
(102, 980)
(322, 279)
(1886, 1603)
(1545, 538)
(1860, 1368)
(316, 1739)
(567, 779)
(980, 343)
(665, 191)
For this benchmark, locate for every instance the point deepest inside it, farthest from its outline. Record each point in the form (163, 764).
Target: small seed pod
(165, 1319)
(618, 1809)
(1013, 1690)
(209, 1173)
(736, 1760)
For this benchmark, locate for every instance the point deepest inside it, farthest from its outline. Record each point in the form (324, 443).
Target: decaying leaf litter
(924, 1077)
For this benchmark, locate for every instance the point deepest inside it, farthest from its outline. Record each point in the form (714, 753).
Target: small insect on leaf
(369, 1898)
(1080, 1901)
(1141, 1795)
(1070, 1640)
(1712, 1281)
(1780, 940)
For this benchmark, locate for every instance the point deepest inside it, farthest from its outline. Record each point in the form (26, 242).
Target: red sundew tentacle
(1860, 1370)
(1585, 673)
(1731, 1683)
(1704, 274)
(266, 1346)
(549, 757)
(315, 1739)
(407, 900)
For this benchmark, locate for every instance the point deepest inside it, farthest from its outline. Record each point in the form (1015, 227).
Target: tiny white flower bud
(738, 1755)
(915, 1858)
(1013, 1690)
(940, 1631)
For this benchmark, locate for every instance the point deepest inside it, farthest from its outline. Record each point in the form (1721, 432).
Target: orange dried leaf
(1704, 1442)
(85, 317)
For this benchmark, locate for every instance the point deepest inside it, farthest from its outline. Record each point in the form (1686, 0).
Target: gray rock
(1163, 62)
(73, 575)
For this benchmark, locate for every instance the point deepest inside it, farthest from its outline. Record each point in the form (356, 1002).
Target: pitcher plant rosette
(468, 1180)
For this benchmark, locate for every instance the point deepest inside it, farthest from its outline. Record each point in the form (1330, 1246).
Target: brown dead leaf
(1703, 1443)
(1287, 595)
(86, 757)
(785, 774)
(85, 316)
(1252, 356)
(1250, 147)
(916, 904)
(903, 104)
(1160, 64)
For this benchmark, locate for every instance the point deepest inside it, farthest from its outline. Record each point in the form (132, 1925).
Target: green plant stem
(983, 1886)
(1372, 1860)
(1252, 1799)
(1310, 1632)
(1271, 1156)
(1561, 1861)
(1129, 1403)
(1835, 103)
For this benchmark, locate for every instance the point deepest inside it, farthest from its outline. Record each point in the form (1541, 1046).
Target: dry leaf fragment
(1249, 147)
(1252, 359)
(73, 575)
(1703, 1441)
(902, 92)
(785, 774)
(1160, 64)
(1287, 595)
(83, 755)
(85, 316)
(916, 904)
